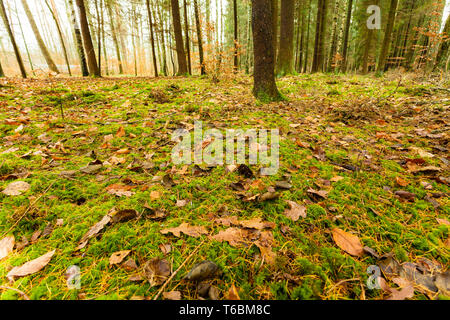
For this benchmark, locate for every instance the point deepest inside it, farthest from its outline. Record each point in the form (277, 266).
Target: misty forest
(95, 202)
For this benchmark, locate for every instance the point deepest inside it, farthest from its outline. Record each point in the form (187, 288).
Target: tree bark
(51, 65)
(12, 39)
(60, 35)
(274, 5)
(236, 40)
(87, 40)
(78, 40)
(444, 46)
(305, 66)
(265, 87)
(182, 65)
(199, 39)
(318, 58)
(387, 36)
(346, 36)
(285, 61)
(152, 38)
(186, 32)
(114, 37)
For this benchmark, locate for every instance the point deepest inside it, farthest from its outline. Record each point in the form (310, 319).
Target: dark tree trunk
(235, 61)
(346, 36)
(12, 39)
(182, 65)
(318, 58)
(152, 39)
(274, 4)
(387, 36)
(186, 32)
(51, 65)
(265, 87)
(2, 74)
(444, 46)
(87, 40)
(305, 65)
(285, 62)
(199, 38)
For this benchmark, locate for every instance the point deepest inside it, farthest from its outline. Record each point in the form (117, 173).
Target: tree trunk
(274, 5)
(2, 74)
(87, 40)
(163, 41)
(13, 40)
(285, 61)
(61, 37)
(346, 36)
(305, 66)
(318, 58)
(333, 47)
(444, 46)
(51, 65)
(182, 65)
(105, 56)
(265, 87)
(152, 38)
(78, 40)
(387, 36)
(114, 37)
(24, 39)
(199, 38)
(236, 40)
(99, 38)
(186, 32)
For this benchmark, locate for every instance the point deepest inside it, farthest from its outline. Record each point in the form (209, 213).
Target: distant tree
(12, 39)
(285, 61)
(152, 36)
(387, 36)
(181, 55)
(114, 34)
(265, 87)
(319, 54)
(346, 36)
(51, 65)
(236, 39)
(199, 38)
(186, 32)
(87, 40)
(444, 46)
(2, 74)
(78, 40)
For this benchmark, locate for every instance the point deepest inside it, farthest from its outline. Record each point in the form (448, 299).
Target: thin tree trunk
(45, 53)
(285, 61)
(305, 66)
(152, 39)
(199, 38)
(2, 74)
(333, 46)
(249, 21)
(320, 36)
(265, 87)
(182, 65)
(387, 36)
(105, 55)
(274, 6)
(78, 40)
(346, 36)
(61, 37)
(114, 37)
(444, 46)
(24, 40)
(186, 32)
(87, 40)
(236, 39)
(99, 37)
(12, 39)
(163, 40)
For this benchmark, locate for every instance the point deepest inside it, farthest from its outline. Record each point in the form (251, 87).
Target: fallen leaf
(157, 271)
(192, 231)
(31, 267)
(120, 132)
(124, 215)
(6, 246)
(347, 242)
(165, 248)
(117, 257)
(295, 211)
(401, 182)
(16, 188)
(93, 231)
(172, 295)
(232, 293)
(203, 271)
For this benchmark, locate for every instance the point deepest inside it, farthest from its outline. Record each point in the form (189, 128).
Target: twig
(23, 294)
(28, 209)
(175, 273)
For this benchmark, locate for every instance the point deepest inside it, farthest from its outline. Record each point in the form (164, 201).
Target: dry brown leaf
(117, 257)
(93, 231)
(256, 223)
(443, 221)
(233, 293)
(157, 271)
(6, 246)
(401, 182)
(31, 267)
(236, 237)
(16, 188)
(295, 211)
(348, 242)
(172, 295)
(120, 132)
(154, 195)
(192, 231)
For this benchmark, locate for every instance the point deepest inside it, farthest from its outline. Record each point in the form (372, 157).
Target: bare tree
(199, 38)
(152, 39)
(44, 50)
(13, 40)
(182, 65)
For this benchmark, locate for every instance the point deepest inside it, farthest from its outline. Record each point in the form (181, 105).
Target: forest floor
(363, 160)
